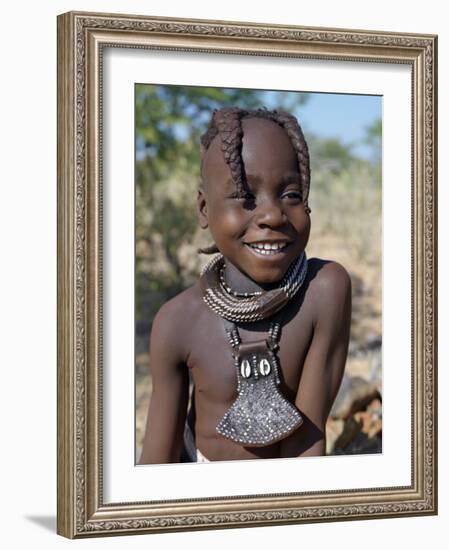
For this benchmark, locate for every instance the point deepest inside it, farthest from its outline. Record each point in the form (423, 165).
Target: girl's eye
(292, 195)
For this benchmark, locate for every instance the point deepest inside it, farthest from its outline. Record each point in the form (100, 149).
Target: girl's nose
(269, 213)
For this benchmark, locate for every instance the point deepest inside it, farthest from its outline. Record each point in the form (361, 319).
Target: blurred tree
(330, 155)
(346, 193)
(373, 138)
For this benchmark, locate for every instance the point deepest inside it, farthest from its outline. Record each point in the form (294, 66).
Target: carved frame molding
(81, 38)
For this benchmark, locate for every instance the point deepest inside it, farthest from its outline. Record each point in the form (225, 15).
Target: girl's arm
(167, 411)
(325, 362)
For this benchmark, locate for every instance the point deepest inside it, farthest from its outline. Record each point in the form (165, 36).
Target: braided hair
(227, 122)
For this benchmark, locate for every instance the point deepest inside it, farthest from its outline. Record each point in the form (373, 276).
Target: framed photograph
(141, 101)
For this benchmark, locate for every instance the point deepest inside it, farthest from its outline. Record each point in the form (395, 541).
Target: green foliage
(329, 155)
(346, 193)
(374, 135)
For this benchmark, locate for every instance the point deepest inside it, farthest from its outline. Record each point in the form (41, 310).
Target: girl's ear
(201, 204)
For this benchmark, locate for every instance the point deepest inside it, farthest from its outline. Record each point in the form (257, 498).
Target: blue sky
(343, 116)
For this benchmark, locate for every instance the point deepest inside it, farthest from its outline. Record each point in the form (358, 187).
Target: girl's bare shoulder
(329, 284)
(181, 310)
(174, 323)
(327, 273)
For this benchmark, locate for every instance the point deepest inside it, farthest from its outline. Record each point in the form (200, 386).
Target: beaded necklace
(260, 415)
(247, 307)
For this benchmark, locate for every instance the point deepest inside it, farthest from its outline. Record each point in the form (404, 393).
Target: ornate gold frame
(81, 37)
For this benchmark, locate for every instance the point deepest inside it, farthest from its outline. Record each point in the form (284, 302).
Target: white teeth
(268, 248)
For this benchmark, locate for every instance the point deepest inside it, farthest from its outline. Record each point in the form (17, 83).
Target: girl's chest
(213, 366)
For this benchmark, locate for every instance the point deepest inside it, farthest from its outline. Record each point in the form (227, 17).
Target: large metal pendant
(260, 415)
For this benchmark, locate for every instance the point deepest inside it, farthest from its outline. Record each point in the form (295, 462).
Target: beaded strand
(247, 308)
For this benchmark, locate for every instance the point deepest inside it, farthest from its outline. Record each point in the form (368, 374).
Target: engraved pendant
(260, 415)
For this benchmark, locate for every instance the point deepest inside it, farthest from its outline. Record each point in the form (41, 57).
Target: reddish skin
(186, 334)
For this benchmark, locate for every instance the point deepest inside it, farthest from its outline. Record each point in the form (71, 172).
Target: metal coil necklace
(260, 415)
(247, 307)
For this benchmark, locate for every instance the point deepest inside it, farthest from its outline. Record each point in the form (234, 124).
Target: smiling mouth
(268, 249)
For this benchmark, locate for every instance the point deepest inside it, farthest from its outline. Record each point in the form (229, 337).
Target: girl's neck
(240, 282)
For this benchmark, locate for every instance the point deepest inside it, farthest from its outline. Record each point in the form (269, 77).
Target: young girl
(265, 330)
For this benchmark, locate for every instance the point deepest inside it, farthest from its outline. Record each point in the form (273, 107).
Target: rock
(361, 444)
(354, 395)
(376, 370)
(362, 432)
(371, 419)
(351, 429)
(334, 429)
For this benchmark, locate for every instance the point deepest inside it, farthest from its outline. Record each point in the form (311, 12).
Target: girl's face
(264, 232)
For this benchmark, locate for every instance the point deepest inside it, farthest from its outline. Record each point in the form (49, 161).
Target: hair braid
(227, 123)
(294, 132)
